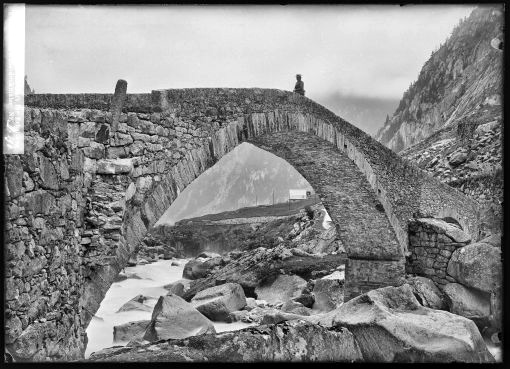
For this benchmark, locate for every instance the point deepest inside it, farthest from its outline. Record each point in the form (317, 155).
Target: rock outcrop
(477, 265)
(173, 317)
(288, 341)
(218, 302)
(390, 325)
(449, 122)
(462, 74)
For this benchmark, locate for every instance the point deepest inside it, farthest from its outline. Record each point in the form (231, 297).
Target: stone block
(114, 166)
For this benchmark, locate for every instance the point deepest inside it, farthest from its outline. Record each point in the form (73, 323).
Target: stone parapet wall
(140, 103)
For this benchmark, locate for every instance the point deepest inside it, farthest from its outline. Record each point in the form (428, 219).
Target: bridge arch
(131, 164)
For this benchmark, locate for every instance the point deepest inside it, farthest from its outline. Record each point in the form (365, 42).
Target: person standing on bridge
(299, 88)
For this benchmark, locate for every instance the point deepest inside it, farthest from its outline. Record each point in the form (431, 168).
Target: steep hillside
(245, 177)
(463, 76)
(449, 122)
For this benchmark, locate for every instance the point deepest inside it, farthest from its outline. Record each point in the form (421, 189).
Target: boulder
(275, 316)
(288, 341)
(458, 158)
(283, 288)
(328, 294)
(194, 269)
(175, 318)
(260, 266)
(469, 303)
(306, 299)
(212, 262)
(390, 325)
(238, 316)
(294, 307)
(178, 287)
(218, 302)
(477, 265)
(250, 304)
(427, 293)
(136, 303)
(128, 331)
(208, 254)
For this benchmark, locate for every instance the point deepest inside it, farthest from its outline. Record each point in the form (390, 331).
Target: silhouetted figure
(299, 88)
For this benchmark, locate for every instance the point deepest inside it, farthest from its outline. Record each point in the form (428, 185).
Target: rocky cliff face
(461, 78)
(449, 122)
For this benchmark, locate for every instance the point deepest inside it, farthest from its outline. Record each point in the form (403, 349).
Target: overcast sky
(371, 51)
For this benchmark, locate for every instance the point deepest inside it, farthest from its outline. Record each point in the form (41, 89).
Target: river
(147, 280)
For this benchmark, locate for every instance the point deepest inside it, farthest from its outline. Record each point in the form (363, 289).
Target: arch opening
(200, 221)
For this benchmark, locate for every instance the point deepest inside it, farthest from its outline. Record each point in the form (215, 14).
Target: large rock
(128, 331)
(294, 307)
(178, 287)
(458, 158)
(283, 288)
(208, 254)
(136, 303)
(218, 302)
(390, 325)
(288, 341)
(477, 265)
(275, 316)
(469, 303)
(328, 294)
(427, 293)
(173, 317)
(252, 268)
(194, 269)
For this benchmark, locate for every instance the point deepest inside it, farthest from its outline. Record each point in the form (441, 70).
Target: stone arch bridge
(100, 169)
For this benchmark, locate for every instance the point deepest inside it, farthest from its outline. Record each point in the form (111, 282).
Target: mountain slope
(246, 176)
(450, 120)
(463, 74)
